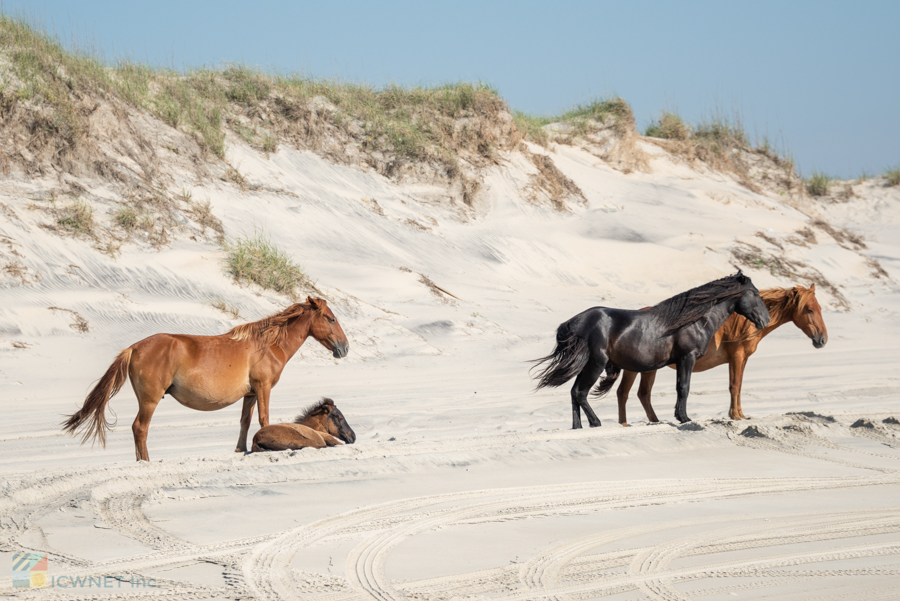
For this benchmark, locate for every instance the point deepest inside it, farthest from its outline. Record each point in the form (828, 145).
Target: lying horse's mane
(313, 409)
(684, 309)
(781, 302)
(268, 330)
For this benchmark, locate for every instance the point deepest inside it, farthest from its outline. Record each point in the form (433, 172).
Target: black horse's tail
(604, 385)
(565, 362)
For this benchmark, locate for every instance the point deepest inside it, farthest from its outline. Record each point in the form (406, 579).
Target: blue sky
(820, 78)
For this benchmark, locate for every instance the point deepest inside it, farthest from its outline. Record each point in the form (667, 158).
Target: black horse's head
(750, 304)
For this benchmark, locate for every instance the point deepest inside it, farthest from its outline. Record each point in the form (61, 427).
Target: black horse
(677, 330)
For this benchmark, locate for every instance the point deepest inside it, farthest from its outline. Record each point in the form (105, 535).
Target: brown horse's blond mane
(781, 302)
(269, 330)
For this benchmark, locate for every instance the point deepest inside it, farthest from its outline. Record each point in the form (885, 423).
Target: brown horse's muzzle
(340, 350)
(819, 340)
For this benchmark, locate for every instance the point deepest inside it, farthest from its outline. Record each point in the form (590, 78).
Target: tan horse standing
(735, 341)
(209, 372)
(319, 426)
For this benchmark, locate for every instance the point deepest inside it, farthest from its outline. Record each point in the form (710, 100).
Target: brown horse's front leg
(262, 399)
(646, 385)
(246, 416)
(736, 381)
(622, 393)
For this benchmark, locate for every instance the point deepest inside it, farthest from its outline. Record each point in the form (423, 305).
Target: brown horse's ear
(326, 402)
(812, 287)
(314, 303)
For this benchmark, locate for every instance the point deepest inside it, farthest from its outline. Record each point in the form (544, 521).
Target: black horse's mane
(313, 409)
(684, 309)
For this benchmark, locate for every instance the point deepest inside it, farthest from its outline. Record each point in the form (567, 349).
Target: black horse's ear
(741, 278)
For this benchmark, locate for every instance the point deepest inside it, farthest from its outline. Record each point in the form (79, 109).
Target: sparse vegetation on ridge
(419, 123)
(669, 126)
(817, 184)
(892, 176)
(582, 119)
(259, 261)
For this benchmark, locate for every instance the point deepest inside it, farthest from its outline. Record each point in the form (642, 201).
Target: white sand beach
(463, 483)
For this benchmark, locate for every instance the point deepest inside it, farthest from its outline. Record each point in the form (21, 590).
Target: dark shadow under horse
(677, 330)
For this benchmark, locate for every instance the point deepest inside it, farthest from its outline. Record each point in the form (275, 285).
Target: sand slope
(463, 483)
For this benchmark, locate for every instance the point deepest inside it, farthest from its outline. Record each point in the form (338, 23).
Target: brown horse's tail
(604, 385)
(565, 362)
(91, 418)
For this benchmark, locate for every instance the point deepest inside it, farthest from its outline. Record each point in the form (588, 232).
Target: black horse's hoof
(597, 425)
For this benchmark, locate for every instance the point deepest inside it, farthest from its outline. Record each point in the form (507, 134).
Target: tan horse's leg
(647, 380)
(147, 403)
(622, 394)
(262, 391)
(330, 440)
(246, 416)
(736, 380)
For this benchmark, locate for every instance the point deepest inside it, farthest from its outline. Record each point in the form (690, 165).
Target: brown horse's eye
(810, 311)
(330, 320)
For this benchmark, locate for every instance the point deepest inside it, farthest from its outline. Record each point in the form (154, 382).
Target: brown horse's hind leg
(146, 406)
(647, 380)
(622, 393)
(246, 416)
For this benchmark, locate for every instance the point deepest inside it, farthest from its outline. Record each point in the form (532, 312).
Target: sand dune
(463, 483)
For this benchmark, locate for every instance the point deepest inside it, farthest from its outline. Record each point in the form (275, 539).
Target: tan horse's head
(807, 315)
(325, 328)
(324, 416)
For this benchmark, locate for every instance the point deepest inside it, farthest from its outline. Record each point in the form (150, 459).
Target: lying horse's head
(324, 416)
(325, 328)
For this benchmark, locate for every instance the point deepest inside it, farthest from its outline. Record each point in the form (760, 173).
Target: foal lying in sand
(319, 426)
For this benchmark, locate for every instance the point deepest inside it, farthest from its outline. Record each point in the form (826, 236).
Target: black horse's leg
(583, 384)
(683, 386)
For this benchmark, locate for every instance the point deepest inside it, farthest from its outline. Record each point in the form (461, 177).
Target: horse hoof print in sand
(321, 425)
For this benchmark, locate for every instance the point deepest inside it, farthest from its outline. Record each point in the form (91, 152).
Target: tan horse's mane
(269, 330)
(781, 302)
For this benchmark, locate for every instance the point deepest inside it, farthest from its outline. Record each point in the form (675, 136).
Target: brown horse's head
(808, 315)
(324, 416)
(325, 328)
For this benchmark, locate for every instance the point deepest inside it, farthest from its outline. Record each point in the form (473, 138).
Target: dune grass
(414, 122)
(582, 119)
(259, 261)
(669, 126)
(77, 219)
(892, 176)
(817, 184)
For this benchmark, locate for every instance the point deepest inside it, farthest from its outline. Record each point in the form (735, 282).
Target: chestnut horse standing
(319, 426)
(209, 372)
(736, 340)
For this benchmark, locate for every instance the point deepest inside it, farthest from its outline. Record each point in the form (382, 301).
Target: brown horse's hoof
(625, 425)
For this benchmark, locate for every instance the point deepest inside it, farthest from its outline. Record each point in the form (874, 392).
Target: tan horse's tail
(90, 420)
